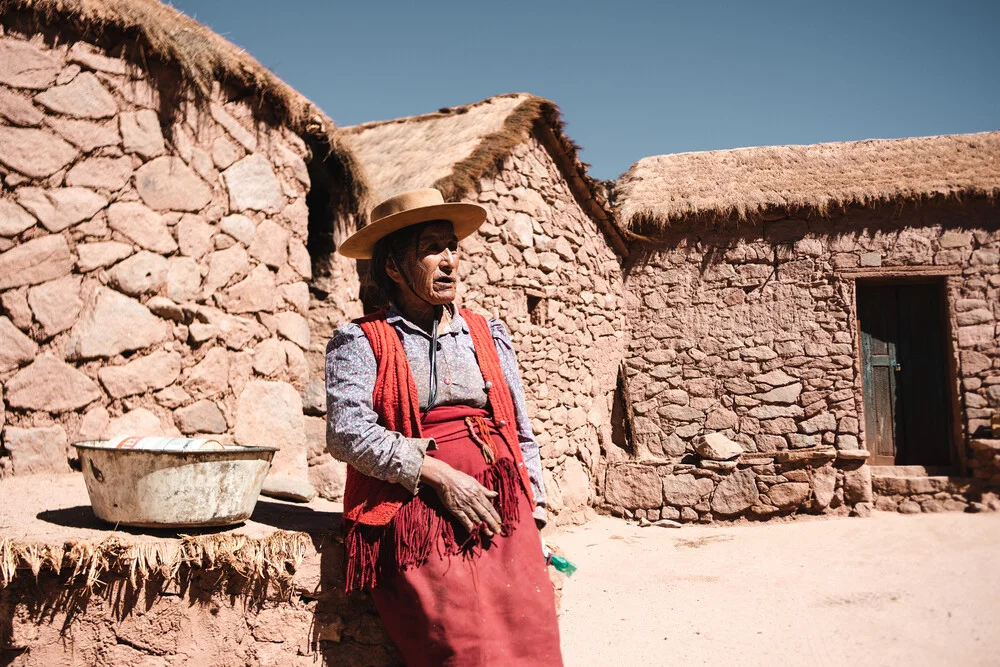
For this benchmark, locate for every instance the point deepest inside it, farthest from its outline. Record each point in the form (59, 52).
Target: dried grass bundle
(275, 557)
(719, 187)
(452, 149)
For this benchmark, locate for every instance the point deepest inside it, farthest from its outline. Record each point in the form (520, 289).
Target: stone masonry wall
(542, 266)
(751, 334)
(152, 280)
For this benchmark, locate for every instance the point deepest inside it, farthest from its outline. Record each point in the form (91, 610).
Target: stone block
(975, 335)
(84, 134)
(50, 385)
(88, 56)
(56, 304)
(328, 479)
(194, 236)
(113, 323)
(253, 294)
(92, 256)
(155, 371)
(210, 376)
(34, 153)
(785, 395)
(824, 421)
(142, 273)
(142, 225)
(16, 349)
(108, 173)
(735, 493)
(14, 219)
(686, 490)
(167, 183)
(27, 64)
(141, 133)
(633, 486)
(239, 227)
(294, 327)
(776, 411)
(141, 422)
(789, 495)
(314, 398)
(270, 244)
(717, 447)
(183, 279)
(824, 482)
(816, 454)
(224, 266)
(246, 138)
(252, 185)
(15, 303)
(60, 208)
(721, 419)
(83, 97)
(37, 450)
(574, 484)
(270, 413)
(202, 416)
(19, 110)
(858, 485)
(871, 259)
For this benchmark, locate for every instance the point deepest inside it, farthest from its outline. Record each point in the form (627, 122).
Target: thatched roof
(451, 149)
(149, 33)
(822, 179)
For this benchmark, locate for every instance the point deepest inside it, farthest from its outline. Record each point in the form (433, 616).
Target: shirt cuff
(413, 462)
(541, 515)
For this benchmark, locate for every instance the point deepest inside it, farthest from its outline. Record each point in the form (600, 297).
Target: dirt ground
(887, 590)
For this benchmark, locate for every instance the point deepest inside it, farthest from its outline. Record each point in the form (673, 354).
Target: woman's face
(431, 267)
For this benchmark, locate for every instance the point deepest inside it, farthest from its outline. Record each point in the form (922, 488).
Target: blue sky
(642, 78)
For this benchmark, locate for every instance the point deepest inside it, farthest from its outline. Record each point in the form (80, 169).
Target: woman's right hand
(463, 496)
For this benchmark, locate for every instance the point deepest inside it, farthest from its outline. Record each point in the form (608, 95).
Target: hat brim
(465, 218)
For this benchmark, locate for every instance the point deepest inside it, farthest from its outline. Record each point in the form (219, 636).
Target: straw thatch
(259, 562)
(719, 187)
(148, 33)
(453, 148)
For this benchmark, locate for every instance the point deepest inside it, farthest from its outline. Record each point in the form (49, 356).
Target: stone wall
(750, 332)
(209, 619)
(543, 266)
(153, 278)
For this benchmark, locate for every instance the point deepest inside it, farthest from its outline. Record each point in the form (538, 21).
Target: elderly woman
(444, 485)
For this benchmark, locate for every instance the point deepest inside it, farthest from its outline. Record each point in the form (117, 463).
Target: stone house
(159, 189)
(812, 328)
(547, 262)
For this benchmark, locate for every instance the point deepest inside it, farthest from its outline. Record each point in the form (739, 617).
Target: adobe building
(547, 262)
(158, 191)
(813, 328)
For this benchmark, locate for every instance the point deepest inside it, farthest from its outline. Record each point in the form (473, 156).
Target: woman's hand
(463, 496)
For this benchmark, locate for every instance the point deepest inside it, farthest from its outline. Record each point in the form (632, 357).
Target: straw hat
(411, 208)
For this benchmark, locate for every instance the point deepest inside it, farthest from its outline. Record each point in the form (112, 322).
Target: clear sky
(642, 78)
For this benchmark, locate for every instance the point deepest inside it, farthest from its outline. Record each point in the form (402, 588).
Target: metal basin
(173, 489)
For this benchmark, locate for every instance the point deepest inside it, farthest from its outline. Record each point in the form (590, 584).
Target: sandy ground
(887, 590)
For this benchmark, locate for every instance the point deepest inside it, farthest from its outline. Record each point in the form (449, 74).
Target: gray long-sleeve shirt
(353, 433)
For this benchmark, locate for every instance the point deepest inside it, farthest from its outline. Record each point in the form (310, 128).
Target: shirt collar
(396, 318)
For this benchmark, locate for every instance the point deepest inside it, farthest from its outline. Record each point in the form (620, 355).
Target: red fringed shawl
(374, 502)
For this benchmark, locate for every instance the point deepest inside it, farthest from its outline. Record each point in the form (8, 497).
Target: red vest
(374, 502)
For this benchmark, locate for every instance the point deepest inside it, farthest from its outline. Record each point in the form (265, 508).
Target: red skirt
(474, 601)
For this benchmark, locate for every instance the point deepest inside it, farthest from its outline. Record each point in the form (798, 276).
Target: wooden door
(907, 415)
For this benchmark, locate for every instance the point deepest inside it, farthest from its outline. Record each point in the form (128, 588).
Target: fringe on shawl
(423, 528)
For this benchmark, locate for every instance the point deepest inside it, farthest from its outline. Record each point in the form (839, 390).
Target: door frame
(944, 278)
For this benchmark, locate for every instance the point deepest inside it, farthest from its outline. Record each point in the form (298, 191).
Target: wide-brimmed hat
(411, 208)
